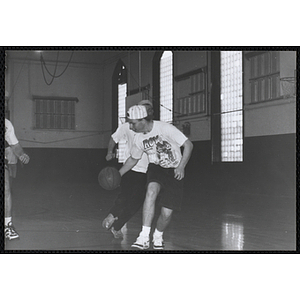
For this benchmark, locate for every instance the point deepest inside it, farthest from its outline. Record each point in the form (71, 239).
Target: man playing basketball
(133, 184)
(161, 142)
(12, 146)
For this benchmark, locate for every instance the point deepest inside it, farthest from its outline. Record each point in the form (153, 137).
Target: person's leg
(153, 190)
(164, 219)
(162, 223)
(7, 196)
(134, 199)
(171, 200)
(12, 168)
(9, 230)
(120, 203)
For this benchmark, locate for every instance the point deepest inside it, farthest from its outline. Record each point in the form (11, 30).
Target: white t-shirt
(11, 139)
(10, 136)
(162, 145)
(123, 133)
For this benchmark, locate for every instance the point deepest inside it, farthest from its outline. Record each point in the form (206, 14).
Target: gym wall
(269, 165)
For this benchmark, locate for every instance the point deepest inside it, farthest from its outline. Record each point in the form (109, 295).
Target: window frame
(163, 105)
(264, 76)
(51, 116)
(182, 105)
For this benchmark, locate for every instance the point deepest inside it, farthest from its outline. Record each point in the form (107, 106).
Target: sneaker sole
(12, 238)
(158, 247)
(141, 247)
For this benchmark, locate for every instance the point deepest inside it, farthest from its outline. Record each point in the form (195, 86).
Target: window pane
(166, 87)
(54, 114)
(267, 86)
(231, 106)
(122, 93)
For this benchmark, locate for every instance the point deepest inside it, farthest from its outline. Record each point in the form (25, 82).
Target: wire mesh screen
(166, 87)
(288, 85)
(231, 106)
(54, 114)
(122, 93)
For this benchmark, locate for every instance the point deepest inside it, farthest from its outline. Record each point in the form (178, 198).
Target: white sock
(7, 220)
(157, 233)
(145, 231)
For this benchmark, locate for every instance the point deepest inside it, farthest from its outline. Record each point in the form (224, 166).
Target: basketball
(109, 178)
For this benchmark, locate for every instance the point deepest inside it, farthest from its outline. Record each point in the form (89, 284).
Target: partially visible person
(162, 143)
(13, 150)
(12, 161)
(133, 184)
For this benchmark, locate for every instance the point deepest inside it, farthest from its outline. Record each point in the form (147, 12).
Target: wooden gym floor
(55, 214)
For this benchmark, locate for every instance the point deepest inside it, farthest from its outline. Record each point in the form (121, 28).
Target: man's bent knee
(153, 190)
(166, 212)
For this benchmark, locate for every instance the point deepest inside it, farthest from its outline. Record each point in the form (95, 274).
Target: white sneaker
(158, 243)
(10, 232)
(142, 242)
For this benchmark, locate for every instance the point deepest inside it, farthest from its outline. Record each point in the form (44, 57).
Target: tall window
(231, 106)
(122, 93)
(166, 87)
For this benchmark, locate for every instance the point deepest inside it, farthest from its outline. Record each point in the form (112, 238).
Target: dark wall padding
(66, 165)
(269, 167)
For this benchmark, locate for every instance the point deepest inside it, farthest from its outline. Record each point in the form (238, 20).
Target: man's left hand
(179, 173)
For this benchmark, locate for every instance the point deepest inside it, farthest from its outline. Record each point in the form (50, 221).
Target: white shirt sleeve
(136, 150)
(120, 133)
(174, 133)
(10, 136)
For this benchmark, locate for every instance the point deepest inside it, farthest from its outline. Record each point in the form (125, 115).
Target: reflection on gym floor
(232, 233)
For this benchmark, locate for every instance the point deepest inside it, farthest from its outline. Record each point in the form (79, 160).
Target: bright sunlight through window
(231, 106)
(122, 93)
(166, 87)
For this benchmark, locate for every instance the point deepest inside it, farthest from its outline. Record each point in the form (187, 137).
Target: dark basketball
(109, 178)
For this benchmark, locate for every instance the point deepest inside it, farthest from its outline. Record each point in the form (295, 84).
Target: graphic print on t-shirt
(160, 152)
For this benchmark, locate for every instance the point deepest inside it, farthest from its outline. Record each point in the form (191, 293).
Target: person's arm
(187, 151)
(13, 142)
(19, 152)
(129, 164)
(111, 145)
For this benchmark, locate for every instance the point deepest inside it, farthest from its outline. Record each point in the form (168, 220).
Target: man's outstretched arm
(129, 164)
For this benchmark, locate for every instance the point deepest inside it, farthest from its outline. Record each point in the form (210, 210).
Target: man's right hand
(110, 156)
(24, 158)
